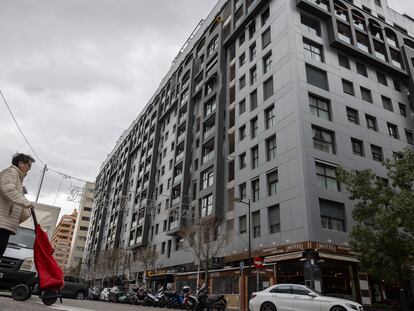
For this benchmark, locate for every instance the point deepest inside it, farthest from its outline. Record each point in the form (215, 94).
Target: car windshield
(24, 238)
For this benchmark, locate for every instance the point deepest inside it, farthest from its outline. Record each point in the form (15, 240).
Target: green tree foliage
(383, 233)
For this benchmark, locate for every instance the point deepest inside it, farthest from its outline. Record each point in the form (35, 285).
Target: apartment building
(62, 239)
(261, 105)
(81, 228)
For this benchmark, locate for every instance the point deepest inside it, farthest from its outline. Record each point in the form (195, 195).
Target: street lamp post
(238, 200)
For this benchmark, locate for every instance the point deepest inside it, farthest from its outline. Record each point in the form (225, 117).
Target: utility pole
(41, 182)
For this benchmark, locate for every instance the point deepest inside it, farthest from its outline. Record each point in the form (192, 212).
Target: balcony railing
(209, 132)
(181, 136)
(139, 239)
(208, 157)
(178, 178)
(174, 224)
(175, 201)
(179, 157)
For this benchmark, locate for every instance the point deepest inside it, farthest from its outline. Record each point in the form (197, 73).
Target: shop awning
(338, 257)
(275, 258)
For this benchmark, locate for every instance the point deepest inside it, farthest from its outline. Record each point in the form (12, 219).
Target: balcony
(145, 185)
(138, 240)
(318, 7)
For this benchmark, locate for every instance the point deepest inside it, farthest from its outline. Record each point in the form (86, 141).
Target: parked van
(17, 264)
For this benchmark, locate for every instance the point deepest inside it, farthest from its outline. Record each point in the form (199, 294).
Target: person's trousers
(4, 239)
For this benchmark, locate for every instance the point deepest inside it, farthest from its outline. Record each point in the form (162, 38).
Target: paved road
(35, 304)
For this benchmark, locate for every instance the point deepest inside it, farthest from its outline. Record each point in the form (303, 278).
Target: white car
(293, 297)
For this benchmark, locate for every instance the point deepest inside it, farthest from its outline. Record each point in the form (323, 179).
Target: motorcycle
(209, 302)
(94, 293)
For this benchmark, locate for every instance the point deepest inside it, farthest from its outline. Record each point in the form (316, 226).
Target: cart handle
(34, 216)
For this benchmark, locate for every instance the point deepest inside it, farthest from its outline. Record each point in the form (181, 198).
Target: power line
(30, 146)
(20, 130)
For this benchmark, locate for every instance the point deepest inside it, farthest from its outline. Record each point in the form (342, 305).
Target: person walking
(14, 207)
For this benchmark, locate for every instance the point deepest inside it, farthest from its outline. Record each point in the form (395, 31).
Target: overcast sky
(76, 73)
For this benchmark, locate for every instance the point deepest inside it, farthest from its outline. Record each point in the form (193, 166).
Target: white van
(17, 264)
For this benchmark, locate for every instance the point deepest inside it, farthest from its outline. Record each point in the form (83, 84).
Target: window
(242, 224)
(242, 191)
(270, 117)
(362, 69)
(253, 128)
(256, 224)
(242, 106)
(332, 215)
(242, 161)
(366, 94)
(207, 205)
(326, 175)
(252, 51)
(255, 190)
(371, 122)
(317, 77)
(266, 38)
(242, 38)
(265, 16)
(397, 85)
(409, 136)
(348, 87)
(242, 82)
(252, 29)
(376, 153)
(255, 156)
(267, 62)
(393, 130)
(212, 46)
(242, 132)
(387, 103)
(271, 148)
(344, 61)
(323, 140)
(272, 181)
(274, 218)
(352, 115)
(378, 3)
(253, 75)
(207, 179)
(311, 25)
(268, 88)
(242, 59)
(253, 100)
(403, 109)
(357, 147)
(320, 107)
(312, 50)
(382, 78)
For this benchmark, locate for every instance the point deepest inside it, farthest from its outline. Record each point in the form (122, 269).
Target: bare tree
(204, 240)
(148, 256)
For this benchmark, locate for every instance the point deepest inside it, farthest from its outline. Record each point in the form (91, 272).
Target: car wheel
(80, 295)
(21, 292)
(337, 308)
(268, 306)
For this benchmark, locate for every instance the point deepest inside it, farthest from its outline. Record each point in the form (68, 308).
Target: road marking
(66, 308)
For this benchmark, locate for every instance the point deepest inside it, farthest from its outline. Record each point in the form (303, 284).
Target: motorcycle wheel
(220, 305)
